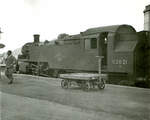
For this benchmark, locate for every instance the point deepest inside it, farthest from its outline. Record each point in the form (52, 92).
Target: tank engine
(125, 52)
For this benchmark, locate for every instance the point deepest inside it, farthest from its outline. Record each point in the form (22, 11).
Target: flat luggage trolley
(84, 80)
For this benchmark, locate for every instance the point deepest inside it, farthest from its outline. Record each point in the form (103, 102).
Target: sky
(20, 19)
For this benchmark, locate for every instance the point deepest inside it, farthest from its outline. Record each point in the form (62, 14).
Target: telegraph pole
(1, 45)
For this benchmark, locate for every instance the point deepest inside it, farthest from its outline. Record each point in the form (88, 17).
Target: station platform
(36, 98)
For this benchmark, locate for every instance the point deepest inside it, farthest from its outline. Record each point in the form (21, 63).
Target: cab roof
(113, 29)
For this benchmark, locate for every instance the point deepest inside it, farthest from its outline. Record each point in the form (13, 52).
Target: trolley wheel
(101, 85)
(79, 84)
(64, 84)
(86, 86)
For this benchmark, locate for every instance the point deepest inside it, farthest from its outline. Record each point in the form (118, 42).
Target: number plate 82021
(120, 61)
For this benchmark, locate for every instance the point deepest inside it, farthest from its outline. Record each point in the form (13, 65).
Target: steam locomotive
(126, 54)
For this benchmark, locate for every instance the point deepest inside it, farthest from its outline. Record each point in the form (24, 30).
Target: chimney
(36, 38)
(147, 18)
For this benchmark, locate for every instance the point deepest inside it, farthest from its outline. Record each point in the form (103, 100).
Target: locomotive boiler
(125, 51)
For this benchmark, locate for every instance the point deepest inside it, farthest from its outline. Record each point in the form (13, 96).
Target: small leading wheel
(86, 86)
(101, 85)
(64, 84)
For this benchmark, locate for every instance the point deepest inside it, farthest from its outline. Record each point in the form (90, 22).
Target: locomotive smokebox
(147, 18)
(36, 38)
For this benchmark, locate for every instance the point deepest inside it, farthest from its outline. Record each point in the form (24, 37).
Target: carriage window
(91, 43)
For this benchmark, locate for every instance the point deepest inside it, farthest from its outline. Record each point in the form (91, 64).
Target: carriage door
(103, 48)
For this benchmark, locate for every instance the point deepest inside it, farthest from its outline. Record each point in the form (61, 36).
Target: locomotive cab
(98, 44)
(117, 44)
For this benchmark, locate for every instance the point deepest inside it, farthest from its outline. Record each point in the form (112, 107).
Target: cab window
(91, 43)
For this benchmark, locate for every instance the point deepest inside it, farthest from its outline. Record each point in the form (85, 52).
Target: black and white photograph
(74, 60)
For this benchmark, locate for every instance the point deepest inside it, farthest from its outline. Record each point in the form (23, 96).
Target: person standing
(10, 62)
